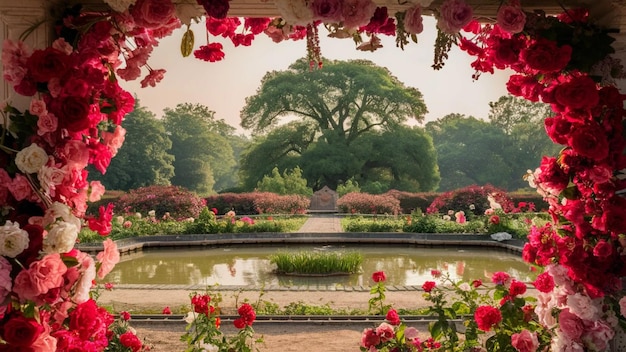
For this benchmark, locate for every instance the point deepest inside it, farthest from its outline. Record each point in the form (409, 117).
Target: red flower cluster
(486, 317)
(246, 316)
(428, 286)
(379, 276)
(201, 304)
(392, 317)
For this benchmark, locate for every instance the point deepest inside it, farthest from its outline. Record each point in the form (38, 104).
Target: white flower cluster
(13, 240)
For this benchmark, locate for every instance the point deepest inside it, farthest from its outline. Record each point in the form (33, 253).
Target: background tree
(204, 158)
(290, 182)
(470, 151)
(522, 121)
(147, 145)
(339, 105)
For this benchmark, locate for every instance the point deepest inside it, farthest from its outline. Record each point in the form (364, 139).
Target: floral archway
(76, 109)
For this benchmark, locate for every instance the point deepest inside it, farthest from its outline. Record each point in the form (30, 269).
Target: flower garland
(76, 109)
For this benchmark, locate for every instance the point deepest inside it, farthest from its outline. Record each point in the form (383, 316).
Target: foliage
(270, 203)
(317, 262)
(203, 157)
(410, 202)
(348, 187)
(146, 144)
(203, 326)
(377, 224)
(352, 127)
(471, 199)
(436, 224)
(178, 202)
(363, 203)
(289, 183)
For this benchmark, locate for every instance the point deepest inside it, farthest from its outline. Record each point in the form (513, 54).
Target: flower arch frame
(76, 109)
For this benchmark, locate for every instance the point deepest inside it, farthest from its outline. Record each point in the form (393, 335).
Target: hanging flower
(511, 18)
(211, 52)
(453, 16)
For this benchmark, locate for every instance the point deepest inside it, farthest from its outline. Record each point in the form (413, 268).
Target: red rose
(494, 219)
(225, 27)
(131, 341)
(72, 112)
(246, 314)
(379, 276)
(256, 25)
(369, 338)
(152, 13)
(212, 52)
(486, 317)
(21, 331)
(500, 278)
(392, 317)
(579, 93)
(239, 323)
(589, 140)
(525, 86)
(505, 52)
(544, 282)
(428, 286)
(201, 304)
(546, 56)
(166, 310)
(517, 288)
(558, 129)
(551, 176)
(477, 283)
(125, 315)
(602, 249)
(46, 64)
(215, 8)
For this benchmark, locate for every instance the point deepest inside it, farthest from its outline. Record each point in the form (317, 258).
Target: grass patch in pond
(317, 263)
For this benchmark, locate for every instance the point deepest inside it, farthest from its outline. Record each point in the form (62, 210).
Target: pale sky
(223, 86)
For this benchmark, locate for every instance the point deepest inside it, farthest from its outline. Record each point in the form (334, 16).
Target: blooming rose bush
(203, 326)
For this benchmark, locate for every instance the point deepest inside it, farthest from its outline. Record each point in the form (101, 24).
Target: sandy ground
(283, 337)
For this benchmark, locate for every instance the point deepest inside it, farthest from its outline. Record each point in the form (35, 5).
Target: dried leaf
(186, 44)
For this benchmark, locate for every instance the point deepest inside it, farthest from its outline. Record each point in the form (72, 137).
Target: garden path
(322, 223)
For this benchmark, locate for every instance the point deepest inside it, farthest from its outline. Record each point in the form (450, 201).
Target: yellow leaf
(186, 45)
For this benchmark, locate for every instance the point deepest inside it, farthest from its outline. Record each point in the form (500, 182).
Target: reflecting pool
(248, 265)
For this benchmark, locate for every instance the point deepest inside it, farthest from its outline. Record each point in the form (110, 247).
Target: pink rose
(602, 249)
(453, 16)
(511, 18)
(152, 13)
(114, 140)
(5, 278)
(413, 22)
(327, 10)
(385, 331)
(357, 13)
(622, 306)
(20, 188)
(369, 338)
(597, 334)
(40, 277)
(37, 107)
(96, 190)
(525, 341)
(47, 123)
(570, 324)
(107, 258)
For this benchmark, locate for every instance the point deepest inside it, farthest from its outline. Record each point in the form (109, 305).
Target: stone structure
(324, 200)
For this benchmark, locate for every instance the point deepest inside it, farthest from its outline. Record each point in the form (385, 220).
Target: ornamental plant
(203, 326)
(175, 201)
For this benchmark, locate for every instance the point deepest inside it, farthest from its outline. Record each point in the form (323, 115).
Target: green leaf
(186, 44)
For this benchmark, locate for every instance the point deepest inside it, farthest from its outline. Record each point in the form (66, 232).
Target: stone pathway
(322, 223)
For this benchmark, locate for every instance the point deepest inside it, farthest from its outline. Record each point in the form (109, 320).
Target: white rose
(152, 213)
(189, 10)
(30, 159)
(50, 177)
(61, 238)
(119, 219)
(13, 240)
(60, 211)
(295, 12)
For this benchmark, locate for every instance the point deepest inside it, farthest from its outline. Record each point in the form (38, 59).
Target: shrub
(361, 224)
(410, 202)
(434, 224)
(348, 187)
(290, 182)
(271, 203)
(363, 203)
(176, 201)
(258, 203)
(470, 197)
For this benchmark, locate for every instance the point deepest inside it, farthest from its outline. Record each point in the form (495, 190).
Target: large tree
(470, 151)
(146, 144)
(345, 98)
(203, 156)
(337, 108)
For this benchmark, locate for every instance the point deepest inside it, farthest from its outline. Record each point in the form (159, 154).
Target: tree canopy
(204, 158)
(348, 98)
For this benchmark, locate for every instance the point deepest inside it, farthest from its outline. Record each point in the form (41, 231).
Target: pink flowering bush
(470, 199)
(363, 203)
(175, 201)
(259, 203)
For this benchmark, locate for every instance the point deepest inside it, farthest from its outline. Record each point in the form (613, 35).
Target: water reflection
(404, 265)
